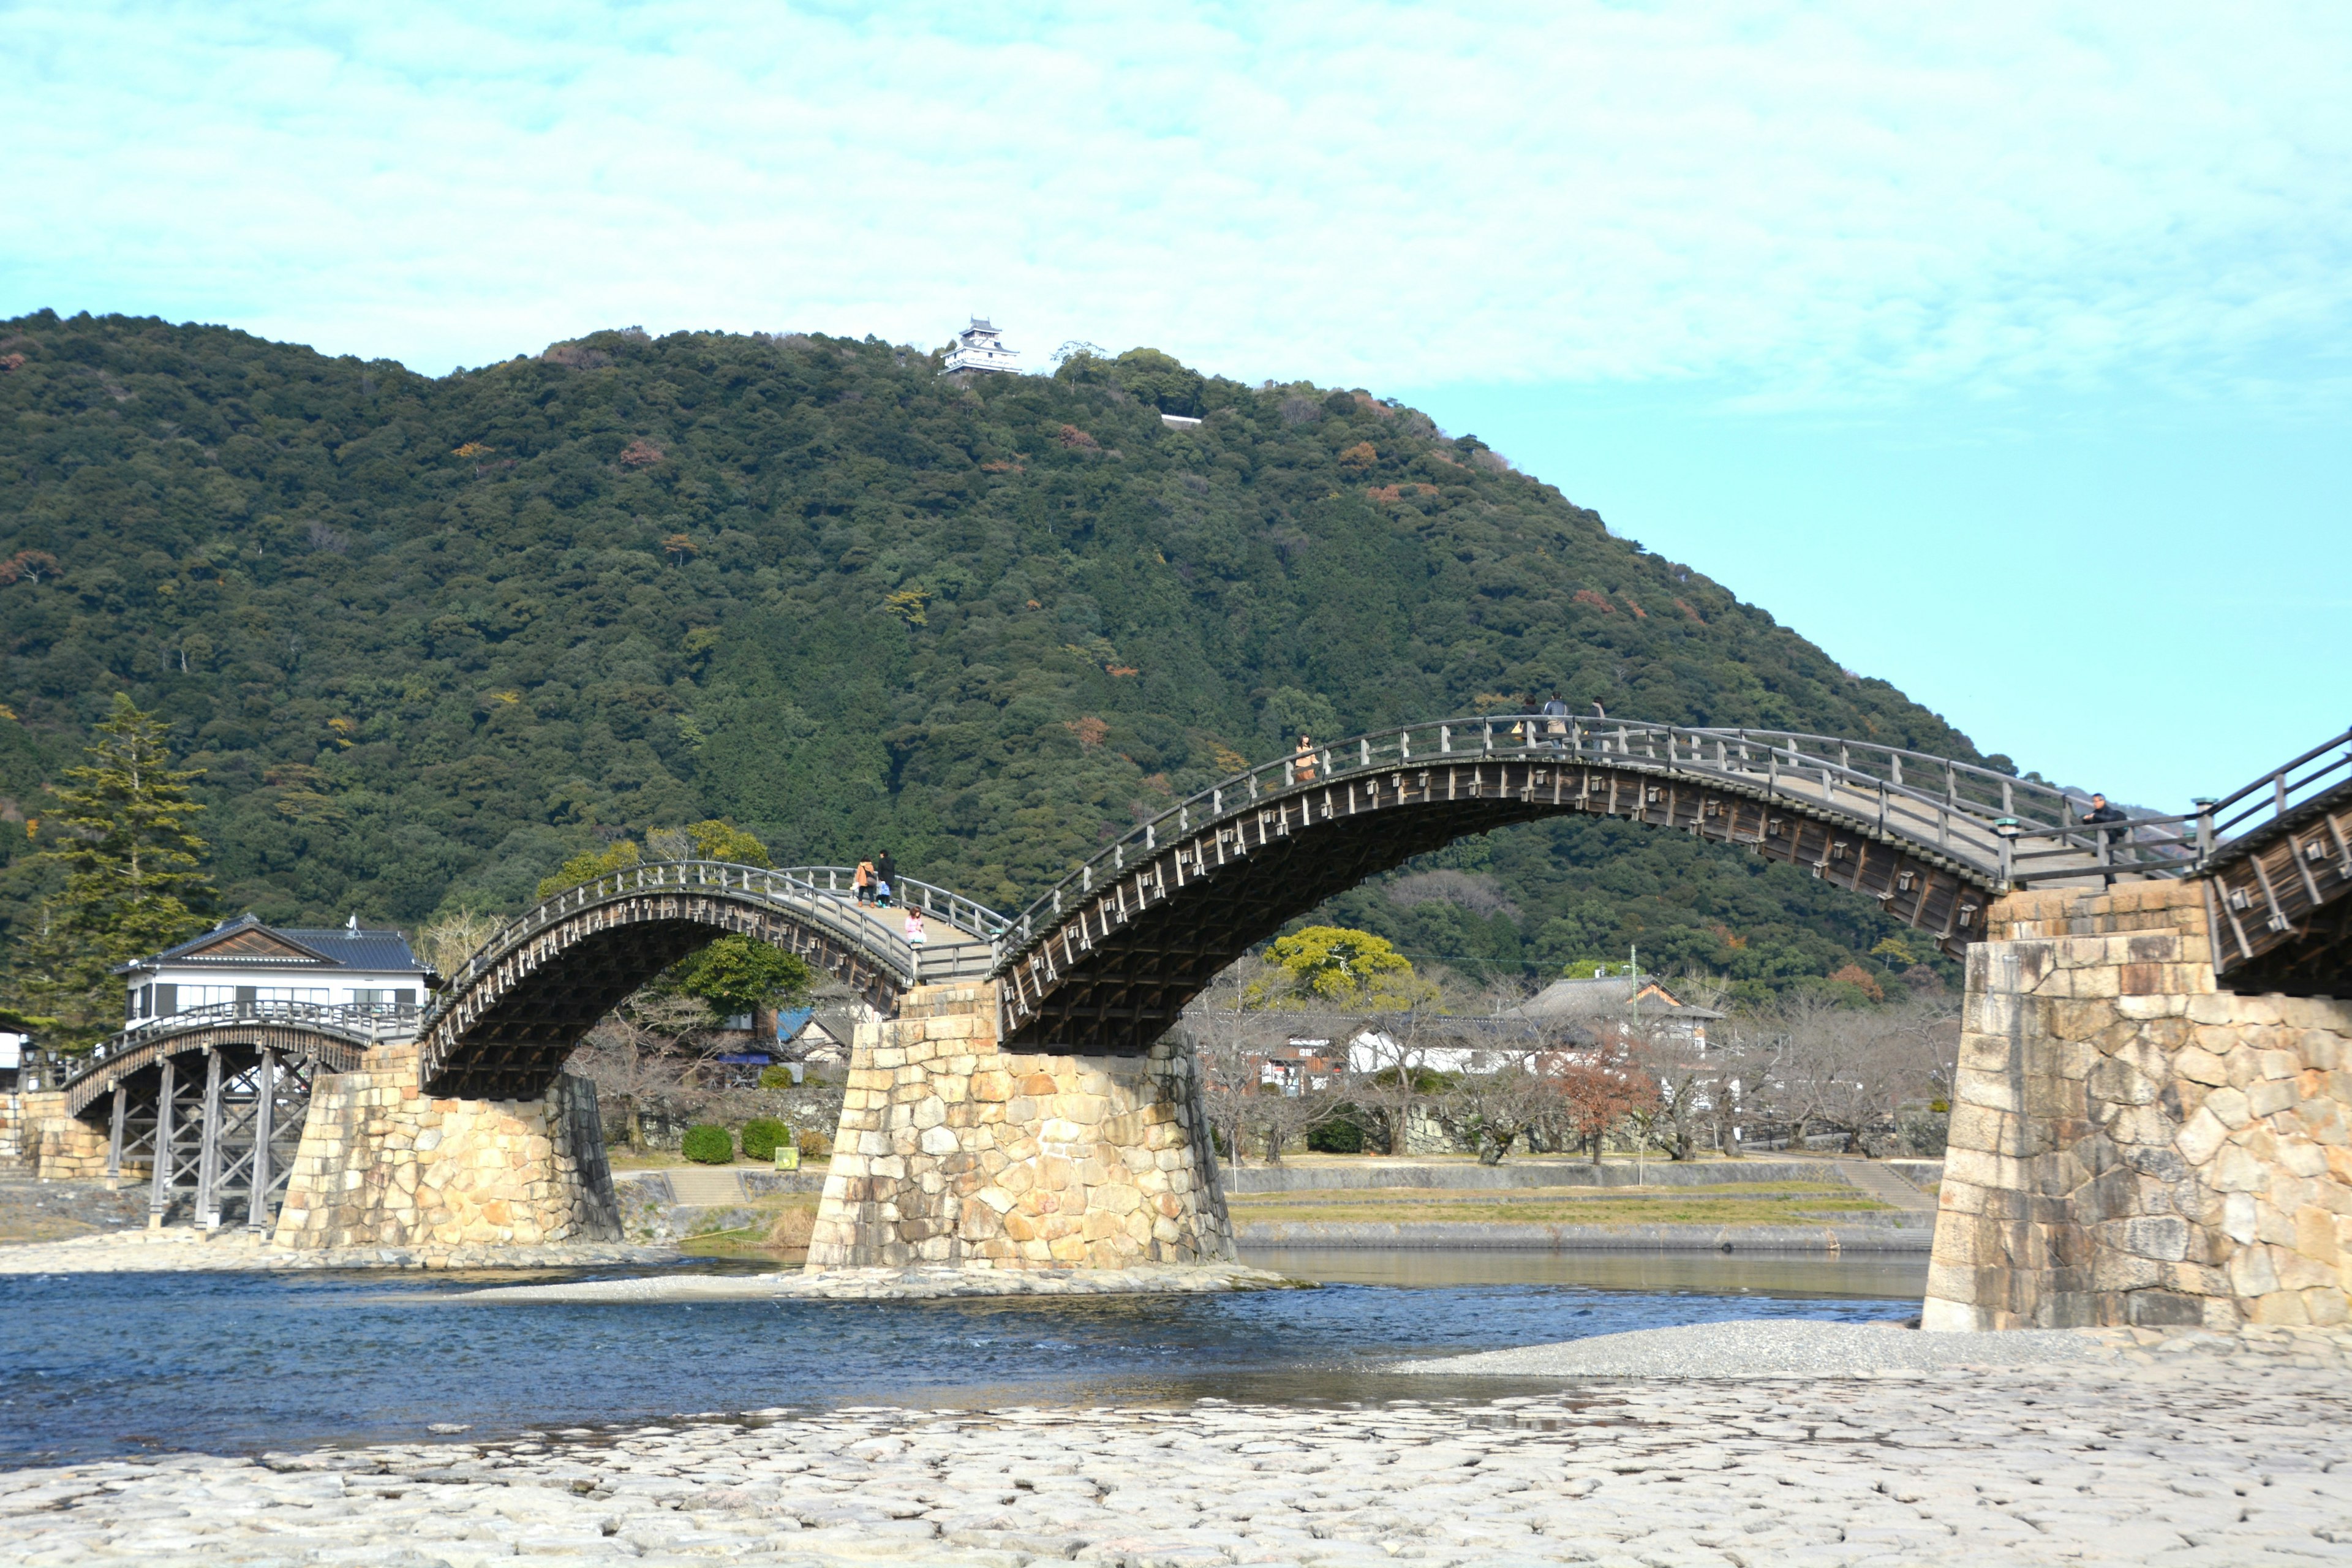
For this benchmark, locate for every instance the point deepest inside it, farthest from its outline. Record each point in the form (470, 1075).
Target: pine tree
(133, 878)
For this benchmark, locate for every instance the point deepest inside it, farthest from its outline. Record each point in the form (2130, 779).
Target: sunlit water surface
(112, 1363)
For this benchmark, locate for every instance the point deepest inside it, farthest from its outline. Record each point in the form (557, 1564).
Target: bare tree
(446, 944)
(1487, 1111)
(1226, 1040)
(1284, 1112)
(645, 1055)
(1851, 1069)
(1391, 1075)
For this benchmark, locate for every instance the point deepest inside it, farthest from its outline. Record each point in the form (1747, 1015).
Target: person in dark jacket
(887, 868)
(2101, 812)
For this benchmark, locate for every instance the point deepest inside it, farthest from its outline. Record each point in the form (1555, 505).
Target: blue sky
(2003, 352)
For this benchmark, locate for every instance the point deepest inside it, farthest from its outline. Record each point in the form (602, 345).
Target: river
(100, 1364)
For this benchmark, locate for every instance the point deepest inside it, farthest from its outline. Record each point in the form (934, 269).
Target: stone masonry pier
(384, 1165)
(951, 1151)
(2131, 1145)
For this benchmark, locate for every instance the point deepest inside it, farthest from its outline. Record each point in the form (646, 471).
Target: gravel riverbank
(1779, 1347)
(917, 1284)
(2218, 1454)
(184, 1251)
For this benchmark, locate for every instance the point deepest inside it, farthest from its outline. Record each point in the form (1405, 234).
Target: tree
(448, 942)
(720, 840)
(642, 1057)
(1851, 1069)
(1489, 1110)
(738, 974)
(589, 865)
(1596, 1096)
(133, 878)
(1391, 1076)
(1333, 966)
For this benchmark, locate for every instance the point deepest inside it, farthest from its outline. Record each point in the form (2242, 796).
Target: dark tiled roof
(337, 947)
(361, 949)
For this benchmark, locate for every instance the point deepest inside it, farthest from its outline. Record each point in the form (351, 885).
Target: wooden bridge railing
(359, 1025)
(969, 915)
(2179, 846)
(808, 897)
(2008, 831)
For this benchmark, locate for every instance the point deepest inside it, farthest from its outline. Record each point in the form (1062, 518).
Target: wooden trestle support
(224, 1132)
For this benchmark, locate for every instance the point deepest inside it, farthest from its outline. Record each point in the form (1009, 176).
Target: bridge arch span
(502, 1026)
(213, 1100)
(1107, 958)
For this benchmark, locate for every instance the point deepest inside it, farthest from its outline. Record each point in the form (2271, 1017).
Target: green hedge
(762, 1136)
(707, 1145)
(1343, 1135)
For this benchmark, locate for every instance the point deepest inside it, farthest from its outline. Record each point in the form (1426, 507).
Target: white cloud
(1840, 203)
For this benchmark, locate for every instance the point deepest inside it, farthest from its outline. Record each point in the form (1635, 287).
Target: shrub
(707, 1145)
(794, 1227)
(1340, 1135)
(815, 1145)
(762, 1136)
(777, 1077)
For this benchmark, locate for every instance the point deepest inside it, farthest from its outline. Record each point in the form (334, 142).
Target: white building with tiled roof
(982, 347)
(243, 959)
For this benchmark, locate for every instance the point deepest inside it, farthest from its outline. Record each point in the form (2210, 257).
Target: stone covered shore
(181, 1250)
(918, 1282)
(2192, 1450)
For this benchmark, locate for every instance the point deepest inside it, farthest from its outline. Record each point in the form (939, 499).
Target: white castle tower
(981, 347)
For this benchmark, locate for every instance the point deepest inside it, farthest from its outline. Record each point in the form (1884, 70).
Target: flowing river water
(98, 1364)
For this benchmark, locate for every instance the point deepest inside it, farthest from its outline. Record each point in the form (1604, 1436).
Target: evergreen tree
(133, 878)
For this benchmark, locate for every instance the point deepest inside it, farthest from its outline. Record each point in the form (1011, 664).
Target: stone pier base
(954, 1152)
(2131, 1145)
(58, 1146)
(382, 1165)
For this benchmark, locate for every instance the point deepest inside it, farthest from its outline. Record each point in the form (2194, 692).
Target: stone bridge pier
(383, 1163)
(2132, 1145)
(954, 1151)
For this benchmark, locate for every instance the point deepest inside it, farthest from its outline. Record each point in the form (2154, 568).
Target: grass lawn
(1749, 1203)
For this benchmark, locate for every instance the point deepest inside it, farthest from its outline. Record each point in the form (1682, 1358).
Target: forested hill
(427, 637)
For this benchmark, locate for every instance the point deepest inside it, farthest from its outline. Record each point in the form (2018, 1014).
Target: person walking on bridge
(885, 870)
(862, 880)
(1302, 761)
(1555, 714)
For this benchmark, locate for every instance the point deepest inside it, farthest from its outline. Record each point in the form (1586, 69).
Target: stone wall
(63, 1147)
(952, 1151)
(2132, 1145)
(381, 1164)
(16, 1144)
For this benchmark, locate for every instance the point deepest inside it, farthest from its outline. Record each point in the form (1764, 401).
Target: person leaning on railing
(2102, 812)
(1302, 761)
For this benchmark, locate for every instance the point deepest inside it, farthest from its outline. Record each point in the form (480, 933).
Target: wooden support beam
(208, 1149)
(257, 1202)
(159, 1191)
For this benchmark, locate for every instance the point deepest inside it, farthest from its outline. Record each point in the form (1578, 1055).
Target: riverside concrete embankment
(1906, 1225)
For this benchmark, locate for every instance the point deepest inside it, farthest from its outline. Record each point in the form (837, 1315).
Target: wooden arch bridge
(1107, 958)
(1103, 961)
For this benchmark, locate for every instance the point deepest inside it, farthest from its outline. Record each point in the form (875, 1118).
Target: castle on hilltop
(981, 347)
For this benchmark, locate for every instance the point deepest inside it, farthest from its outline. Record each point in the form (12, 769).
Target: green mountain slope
(427, 636)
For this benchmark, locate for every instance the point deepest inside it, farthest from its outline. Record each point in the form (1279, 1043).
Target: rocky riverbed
(916, 1283)
(2136, 1448)
(181, 1250)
